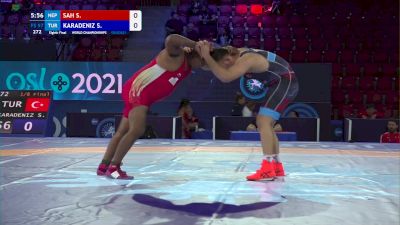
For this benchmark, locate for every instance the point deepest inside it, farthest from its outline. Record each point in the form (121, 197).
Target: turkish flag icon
(37, 105)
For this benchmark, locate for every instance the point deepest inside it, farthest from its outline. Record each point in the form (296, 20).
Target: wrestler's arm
(241, 67)
(175, 43)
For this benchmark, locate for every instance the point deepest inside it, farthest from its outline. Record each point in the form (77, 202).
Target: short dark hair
(184, 102)
(394, 121)
(218, 53)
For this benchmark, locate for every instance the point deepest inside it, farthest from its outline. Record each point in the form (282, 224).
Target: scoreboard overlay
(24, 112)
(85, 21)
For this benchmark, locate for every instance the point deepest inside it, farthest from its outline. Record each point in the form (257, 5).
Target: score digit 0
(135, 20)
(28, 126)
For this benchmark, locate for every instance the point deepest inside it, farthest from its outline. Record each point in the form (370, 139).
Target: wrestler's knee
(264, 121)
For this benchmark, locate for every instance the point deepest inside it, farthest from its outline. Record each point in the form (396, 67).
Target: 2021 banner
(68, 80)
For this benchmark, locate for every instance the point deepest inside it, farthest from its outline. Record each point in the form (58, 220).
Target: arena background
(345, 55)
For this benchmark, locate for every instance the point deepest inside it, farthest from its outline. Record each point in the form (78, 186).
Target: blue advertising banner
(87, 83)
(103, 81)
(68, 80)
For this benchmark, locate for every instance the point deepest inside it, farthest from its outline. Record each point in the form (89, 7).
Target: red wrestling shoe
(102, 169)
(266, 172)
(115, 172)
(279, 171)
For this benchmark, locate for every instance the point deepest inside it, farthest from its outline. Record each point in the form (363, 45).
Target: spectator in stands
(370, 113)
(248, 109)
(207, 24)
(206, 17)
(392, 135)
(195, 9)
(224, 38)
(237, 108)
(191, 32)
(189, 122)
(174, 25)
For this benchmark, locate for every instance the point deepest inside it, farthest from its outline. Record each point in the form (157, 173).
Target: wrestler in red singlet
(147, 93)
(150, 84)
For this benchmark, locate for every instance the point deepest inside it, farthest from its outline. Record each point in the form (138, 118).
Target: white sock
(269, 158)
(277, 158)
